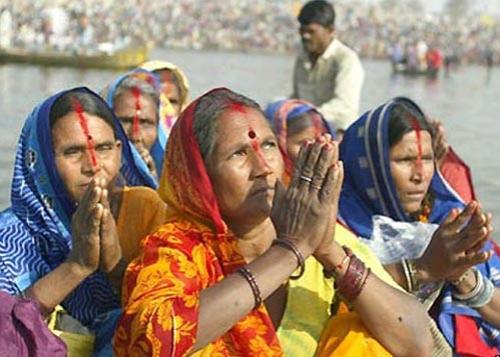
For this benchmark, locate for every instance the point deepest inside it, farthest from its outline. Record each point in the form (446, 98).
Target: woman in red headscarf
(215, 278)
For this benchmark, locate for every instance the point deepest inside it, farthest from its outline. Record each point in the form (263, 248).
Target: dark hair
(145, 88)
(400, 122)
(300, 123)
(208, 110)
(317, 11)
(90, 104)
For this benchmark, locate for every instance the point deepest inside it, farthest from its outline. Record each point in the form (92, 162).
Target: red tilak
(416, 127)
(237, 107)
(254, 141)
(135, 124)
(77, 107)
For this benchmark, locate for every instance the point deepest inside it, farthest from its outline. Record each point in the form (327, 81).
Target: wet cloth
(157, 151)
(35, 231)
(23, 331)
(369, 190)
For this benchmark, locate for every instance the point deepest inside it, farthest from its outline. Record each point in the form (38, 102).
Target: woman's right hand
(456, 245)
(85, 230)
(303, 212)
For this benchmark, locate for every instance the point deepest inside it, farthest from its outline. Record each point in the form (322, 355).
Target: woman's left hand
(324, 251)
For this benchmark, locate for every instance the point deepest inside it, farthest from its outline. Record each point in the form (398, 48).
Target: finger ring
(317, 187)
(306, 178)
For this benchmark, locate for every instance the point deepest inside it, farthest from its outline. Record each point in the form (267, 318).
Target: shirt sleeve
(342, 109)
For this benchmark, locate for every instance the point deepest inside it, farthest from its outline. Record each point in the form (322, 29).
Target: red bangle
(349, 287)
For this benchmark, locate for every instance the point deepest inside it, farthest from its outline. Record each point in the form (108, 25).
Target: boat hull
(120, 60)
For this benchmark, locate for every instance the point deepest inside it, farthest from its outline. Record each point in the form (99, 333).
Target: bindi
(82, 119)
(136, 92)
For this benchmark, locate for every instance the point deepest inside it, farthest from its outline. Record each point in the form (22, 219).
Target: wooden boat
(122, 59)
(401, 68)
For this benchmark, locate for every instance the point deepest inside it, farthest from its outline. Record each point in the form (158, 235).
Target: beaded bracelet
(353, 280)
(300, 258)
(250, 278)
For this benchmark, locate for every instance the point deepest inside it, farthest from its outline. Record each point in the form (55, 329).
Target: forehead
(313, 27)
(68, 130)
(235, 125)
(166, 75)
(127, 101)
(409, 142)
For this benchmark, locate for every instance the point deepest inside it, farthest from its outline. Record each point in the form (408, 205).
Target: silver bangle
(474, 292)
(406, 270)
(484, 297)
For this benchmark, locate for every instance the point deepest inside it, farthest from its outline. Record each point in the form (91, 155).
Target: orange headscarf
(191, 252)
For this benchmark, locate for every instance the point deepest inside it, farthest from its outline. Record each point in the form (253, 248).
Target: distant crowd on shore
(243, 25)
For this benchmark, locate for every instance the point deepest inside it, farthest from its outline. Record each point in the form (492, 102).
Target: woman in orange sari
(213, 279)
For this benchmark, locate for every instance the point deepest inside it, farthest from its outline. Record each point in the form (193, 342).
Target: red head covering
(191, 252)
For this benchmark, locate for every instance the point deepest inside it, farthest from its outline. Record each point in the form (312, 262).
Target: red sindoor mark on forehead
(416, 126)
(255, 142)
(77, 107)
(135, 124)
(238, 107)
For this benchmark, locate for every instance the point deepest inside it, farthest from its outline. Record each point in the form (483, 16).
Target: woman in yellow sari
(217, 277)
(175, 90)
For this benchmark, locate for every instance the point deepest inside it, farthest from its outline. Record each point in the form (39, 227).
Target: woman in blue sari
(135, 99)
(393, 196)
(59, 240)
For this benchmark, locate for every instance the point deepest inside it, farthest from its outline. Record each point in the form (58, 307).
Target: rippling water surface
(467, 102)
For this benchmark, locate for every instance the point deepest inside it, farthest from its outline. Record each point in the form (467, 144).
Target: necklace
(425, 211)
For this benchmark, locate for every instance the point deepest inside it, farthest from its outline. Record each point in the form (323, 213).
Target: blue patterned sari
(369, 190)
(35, 235)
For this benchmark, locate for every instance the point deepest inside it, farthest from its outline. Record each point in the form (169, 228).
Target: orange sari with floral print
(191, 252)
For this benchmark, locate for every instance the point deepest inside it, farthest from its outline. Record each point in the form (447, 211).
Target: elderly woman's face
(412, 168)
(125, 106)
(72, 158)
(307, 131)
(244, 166)
(294, 141)
(171, 89)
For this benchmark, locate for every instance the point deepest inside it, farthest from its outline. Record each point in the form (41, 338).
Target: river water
(467, 101)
